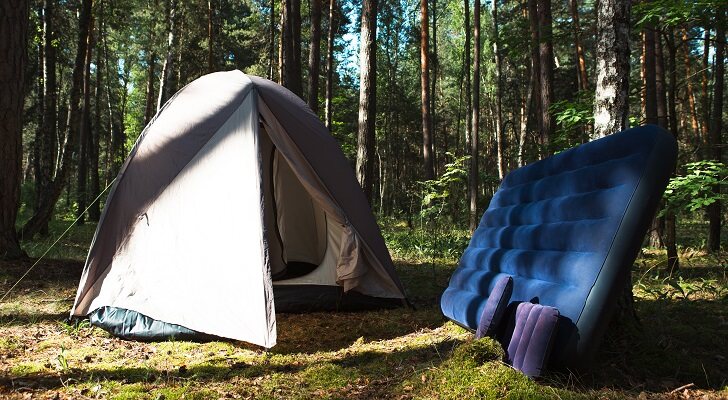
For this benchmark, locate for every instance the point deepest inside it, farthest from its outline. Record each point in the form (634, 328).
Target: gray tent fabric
(190, 235)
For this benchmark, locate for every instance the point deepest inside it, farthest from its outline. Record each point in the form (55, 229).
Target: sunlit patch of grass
(327, 376)
(27, 368)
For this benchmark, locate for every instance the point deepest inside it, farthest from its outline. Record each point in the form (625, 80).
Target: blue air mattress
(567, 229)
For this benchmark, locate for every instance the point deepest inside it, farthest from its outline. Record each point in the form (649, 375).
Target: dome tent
(234, 203)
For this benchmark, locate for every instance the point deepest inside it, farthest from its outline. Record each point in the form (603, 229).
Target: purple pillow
(495, 307)
(532, 338)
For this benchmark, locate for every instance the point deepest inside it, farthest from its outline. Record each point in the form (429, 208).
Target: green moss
(27, 368)
(478, 351)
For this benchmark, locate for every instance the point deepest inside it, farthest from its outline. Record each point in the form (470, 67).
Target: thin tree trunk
(716, 127)
(499, 135)
(660, 82)
(150, 96)
(292, 46)
(429, 170)
(49, 138)
(581, 61)
(166, 85)
(367, 97)
(85, 133)
(673, 261)
(466, 69)
(705, 95)
(271, 40)
(434, 67)
(14, 16)
(45, 210)
(473, 177)
(650, 78)
(546, 57)
(533, 102)
(94, 211)
(210, 36)
(695, 122)
(330, 65)
(314, 56)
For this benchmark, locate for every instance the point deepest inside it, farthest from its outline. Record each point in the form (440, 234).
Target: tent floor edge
(132, 325)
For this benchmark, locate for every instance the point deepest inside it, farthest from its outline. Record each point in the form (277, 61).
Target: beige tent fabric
(175, 135)
(301, 221)
(348, 268)
(180, 265)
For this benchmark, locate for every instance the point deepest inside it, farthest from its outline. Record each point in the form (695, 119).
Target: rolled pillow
(495, 307)
(532, 338)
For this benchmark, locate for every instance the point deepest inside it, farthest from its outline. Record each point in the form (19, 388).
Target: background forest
(433, 102)
(98, 71)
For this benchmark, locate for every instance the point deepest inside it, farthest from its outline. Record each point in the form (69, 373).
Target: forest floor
(680, 350)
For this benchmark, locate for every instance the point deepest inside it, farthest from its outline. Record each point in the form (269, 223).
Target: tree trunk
(670, 217)
(94, 211)
(150, 96)
(367, 97)
(314, 56)
(580, 60)
(473, 177)
(499, 135)
(14, 15)
(660, 85)
(291, 25)
(330, 65)
(546, 57)
(533, 103)
(716, 127)
(271, 40)
(611, 103)
(650, 78)
(85, 133)
(49, 138)
(695, 122)
(429, 169)
(166, 85)
(705, 97)
(210, 36)
(45, 210)
(611, 106)
(466, 69)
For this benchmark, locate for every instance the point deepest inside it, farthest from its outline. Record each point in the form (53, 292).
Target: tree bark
(314, 56)
(611, 102)
(533, 103)
(45, 210)
(650, 78)
(695, 122)
(271, 40)
(673, 261)
(291, 25)
(716, 127)
(14, 16)
(546, 57)
(580, 59)
(49, 138)
(499, 135)
(167, 85)
(429, 169)
(367, 97)
(210, 36)
(85, 133)
(473, 177)
(330, 65)
(466, 69)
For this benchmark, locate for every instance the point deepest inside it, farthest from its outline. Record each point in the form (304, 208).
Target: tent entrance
(296, 225)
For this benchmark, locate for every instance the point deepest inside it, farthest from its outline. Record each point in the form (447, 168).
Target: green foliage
(573, 118)
(697, 188)
(437, 192)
